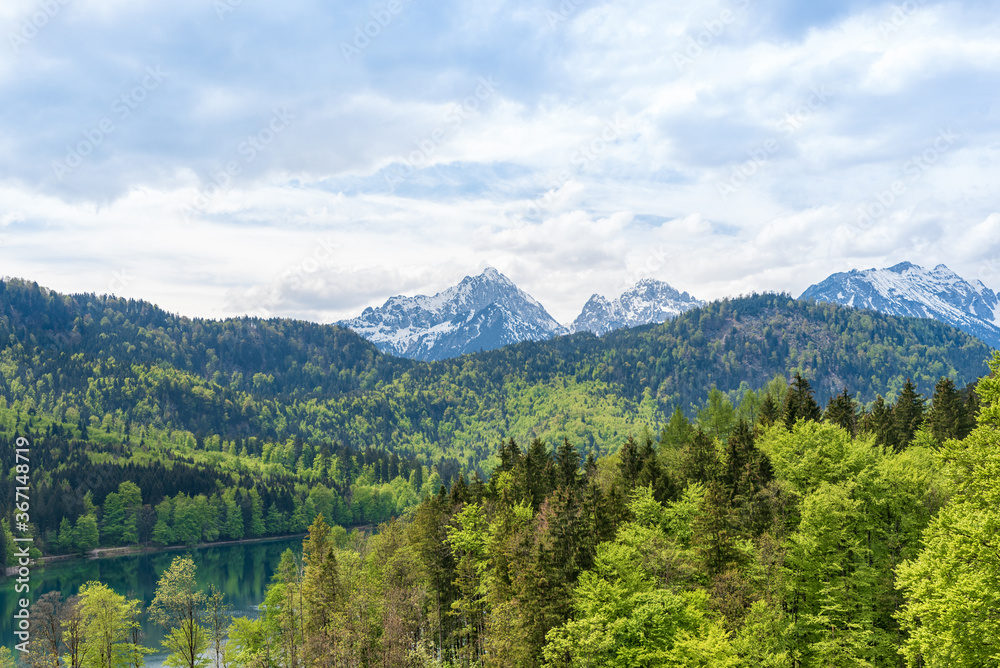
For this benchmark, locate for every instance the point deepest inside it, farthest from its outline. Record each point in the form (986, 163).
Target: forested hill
(249, 427)
(278, 379)
(303, 359)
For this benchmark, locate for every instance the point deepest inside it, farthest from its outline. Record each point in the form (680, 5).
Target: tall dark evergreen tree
(800, 404)
(630, 462)
(700, 460)
(540, 472)
(842, 411)
(460, 491)
(769, 413)
(907, 415)
(567, 465)
(510, 456)
(947, 413)
(746, 473)
(878, 422)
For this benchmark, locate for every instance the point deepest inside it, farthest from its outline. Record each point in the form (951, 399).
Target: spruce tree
(842, 411)
(510, 456)
(567, 465)
(907, 415)
(540, 471)
(769, 412)
(459, 491)
(799, 403)
(947, 412)
(700, 460)
(678, 432)
(878, 422)
(630, 462)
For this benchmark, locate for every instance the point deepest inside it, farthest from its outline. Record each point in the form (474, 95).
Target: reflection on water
(242, 571)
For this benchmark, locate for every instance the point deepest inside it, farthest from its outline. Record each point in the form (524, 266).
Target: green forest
(777, 532)
(152, 428)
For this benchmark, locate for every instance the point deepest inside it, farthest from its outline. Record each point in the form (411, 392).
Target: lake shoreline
(109, 552)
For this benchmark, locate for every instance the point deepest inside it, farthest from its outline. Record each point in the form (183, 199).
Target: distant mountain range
(649, 301)
(482, 312)
(489, 311)
(909, 290)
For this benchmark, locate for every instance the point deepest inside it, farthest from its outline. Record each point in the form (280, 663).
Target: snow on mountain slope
(481, 313)
(648, 301)
(909, 290)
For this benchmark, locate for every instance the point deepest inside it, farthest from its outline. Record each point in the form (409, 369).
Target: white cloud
(596, 159)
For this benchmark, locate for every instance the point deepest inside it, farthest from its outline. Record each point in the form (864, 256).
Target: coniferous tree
(769, 412)
(907, 415)
(700, 460)
(653, 474)
(459, 492)
(510, 456)
(257, 526)
(321, 587)
(799, 403)
(971, 413)
(567, 466)
(947, 413)
(842, 411)
(747, 472)
(677, 433)
(878, 422)
(630, 462)
(717, 416)
(539, 471)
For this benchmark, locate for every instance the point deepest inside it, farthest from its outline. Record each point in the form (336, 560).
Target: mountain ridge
(280, 379)
(649, 301)
(482, 312)
(907, 289)
(489, 311)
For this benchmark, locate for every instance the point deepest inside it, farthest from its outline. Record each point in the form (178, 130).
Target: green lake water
(241, 571)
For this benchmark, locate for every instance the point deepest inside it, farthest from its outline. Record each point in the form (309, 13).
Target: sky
(308, 159)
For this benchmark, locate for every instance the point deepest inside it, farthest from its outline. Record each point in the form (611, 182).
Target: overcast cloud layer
(308, 159)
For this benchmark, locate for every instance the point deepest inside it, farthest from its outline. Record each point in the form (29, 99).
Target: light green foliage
(814, 452)
(694, 554)
(762, 640)
(831, 580)
(953, 585)
(251, 643)
(257, 527)
(468, 542)
(187, 523)
(622, 619)
(717, 417)
(86, 533)
(234, 519)
(679, 517)
(162, 531)
(107, 620)
(179, 607)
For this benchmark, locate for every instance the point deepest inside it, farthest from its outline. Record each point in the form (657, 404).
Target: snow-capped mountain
(648, 301)
(909, 290)
(481, 313)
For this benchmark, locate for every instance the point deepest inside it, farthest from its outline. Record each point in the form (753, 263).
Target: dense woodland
(150, 427)
(772, 533)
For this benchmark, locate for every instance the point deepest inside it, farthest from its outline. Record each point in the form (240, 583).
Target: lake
(241, 571)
